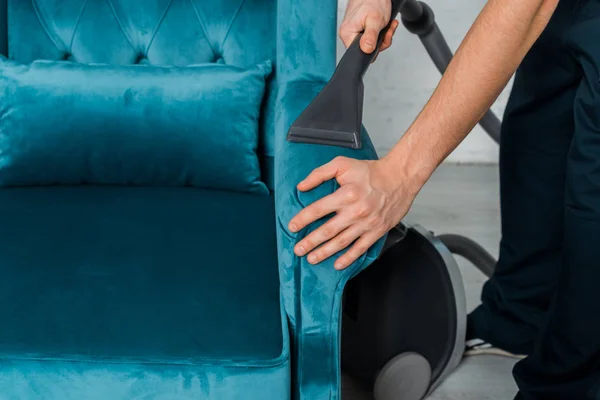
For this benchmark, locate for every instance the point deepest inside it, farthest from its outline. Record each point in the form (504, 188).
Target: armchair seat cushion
(125, 292)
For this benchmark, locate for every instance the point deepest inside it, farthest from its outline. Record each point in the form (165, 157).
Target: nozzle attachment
(334, 117)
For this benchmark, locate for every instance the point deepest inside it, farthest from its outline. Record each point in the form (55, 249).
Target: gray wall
(399, 84)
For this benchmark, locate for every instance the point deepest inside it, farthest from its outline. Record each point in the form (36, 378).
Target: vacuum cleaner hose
(471, 250)
(419, 19)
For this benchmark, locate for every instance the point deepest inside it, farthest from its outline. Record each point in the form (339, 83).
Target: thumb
(373, 26)
(321, 175)
(349, 30)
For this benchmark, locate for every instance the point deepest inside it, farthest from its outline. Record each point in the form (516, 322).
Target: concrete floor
(463, 200)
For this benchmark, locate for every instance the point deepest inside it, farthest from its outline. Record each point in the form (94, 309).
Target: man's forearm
(481, 68)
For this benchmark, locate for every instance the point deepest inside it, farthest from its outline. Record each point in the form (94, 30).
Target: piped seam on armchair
(335, 311)
(276, 362)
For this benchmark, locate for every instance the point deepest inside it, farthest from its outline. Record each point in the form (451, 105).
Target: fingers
(367, 19)
(330, 230)
(337, 244)
(373, 25)
(350, 28)
(348, 37)
(358, 249)
(322, 174)
(317, 210)
(387, 41)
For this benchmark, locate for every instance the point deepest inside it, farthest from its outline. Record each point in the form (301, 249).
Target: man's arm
(481, 68)
(374, 196)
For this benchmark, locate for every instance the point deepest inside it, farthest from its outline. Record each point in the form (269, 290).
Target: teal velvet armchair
(119, 292)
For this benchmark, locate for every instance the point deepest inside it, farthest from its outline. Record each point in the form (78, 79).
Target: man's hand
(375, 195)
(370, 16)
(369, 202)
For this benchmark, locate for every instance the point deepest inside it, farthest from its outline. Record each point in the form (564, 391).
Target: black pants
(544, 298)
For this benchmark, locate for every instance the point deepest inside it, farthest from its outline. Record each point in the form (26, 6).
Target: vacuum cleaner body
(404, 318)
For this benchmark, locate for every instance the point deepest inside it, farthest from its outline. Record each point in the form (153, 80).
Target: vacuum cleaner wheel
(405, 377)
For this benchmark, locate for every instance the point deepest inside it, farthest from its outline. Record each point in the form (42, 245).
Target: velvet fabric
(158, 32)
(3, 30)
(306, 51)
(300, 38)
(62, 380)
(312, 294)
(138, 291)
(71, 123)
(306, 40)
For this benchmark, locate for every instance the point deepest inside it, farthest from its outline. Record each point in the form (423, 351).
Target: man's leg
(565, 363)
(536, 134)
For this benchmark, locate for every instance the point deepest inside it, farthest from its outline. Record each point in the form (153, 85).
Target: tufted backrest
(298, 36)
(157, 32)
(161, 32)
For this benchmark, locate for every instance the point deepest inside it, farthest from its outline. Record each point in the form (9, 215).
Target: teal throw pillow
(64, 123)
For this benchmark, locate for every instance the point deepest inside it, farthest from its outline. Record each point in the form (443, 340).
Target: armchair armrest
(294, 161)
(312, 294)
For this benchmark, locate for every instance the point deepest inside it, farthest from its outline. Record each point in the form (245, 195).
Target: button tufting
(67, 57)
(141, 59)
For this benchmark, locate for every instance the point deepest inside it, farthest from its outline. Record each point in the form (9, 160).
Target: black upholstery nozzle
(334, 117)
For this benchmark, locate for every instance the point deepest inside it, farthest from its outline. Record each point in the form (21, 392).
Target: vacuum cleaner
(404, 318)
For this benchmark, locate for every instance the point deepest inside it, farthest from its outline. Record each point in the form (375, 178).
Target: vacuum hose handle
(355, 61)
